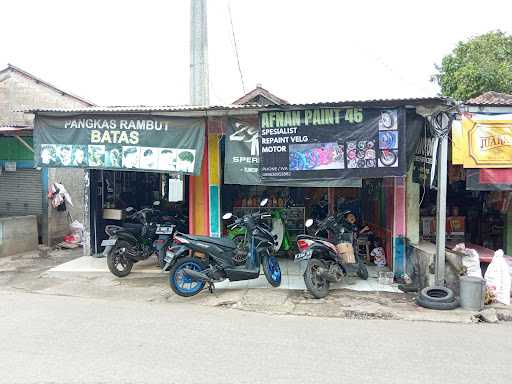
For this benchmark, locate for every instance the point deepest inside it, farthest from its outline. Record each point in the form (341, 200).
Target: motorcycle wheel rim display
(185, 284)
(274, 270)
(120, 259)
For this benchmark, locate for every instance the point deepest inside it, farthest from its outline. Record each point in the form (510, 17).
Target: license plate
(160, 230)
(304, 255)
(107, 242)
(168, 257)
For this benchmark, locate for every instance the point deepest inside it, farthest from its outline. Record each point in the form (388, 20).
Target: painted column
(399, 226)
(198, 200)
(413, 208)
(214, 185)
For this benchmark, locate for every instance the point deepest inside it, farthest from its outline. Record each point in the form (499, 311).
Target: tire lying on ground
(436, 305)
(438, 294)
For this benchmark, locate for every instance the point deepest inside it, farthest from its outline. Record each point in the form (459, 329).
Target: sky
(137, 52)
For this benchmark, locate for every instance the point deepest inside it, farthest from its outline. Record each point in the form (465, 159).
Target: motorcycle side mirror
(309, 223)
(227, 216)
(263, 202)
(129, 209)
(156, 203)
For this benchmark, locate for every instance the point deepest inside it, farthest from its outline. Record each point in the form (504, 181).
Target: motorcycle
(136, 240)
(283, 242)
(324, 261)
(195, 261)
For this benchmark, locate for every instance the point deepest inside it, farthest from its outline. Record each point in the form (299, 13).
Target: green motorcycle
(284, 243)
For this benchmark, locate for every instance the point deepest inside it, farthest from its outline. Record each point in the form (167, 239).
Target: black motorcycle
(324, 257)
(199, 260)
(138, 239)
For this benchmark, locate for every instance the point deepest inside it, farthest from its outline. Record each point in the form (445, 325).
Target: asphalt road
(59, 339)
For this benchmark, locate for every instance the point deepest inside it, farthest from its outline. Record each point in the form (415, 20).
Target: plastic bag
(76, 226)
(497, 278)
(471, 260)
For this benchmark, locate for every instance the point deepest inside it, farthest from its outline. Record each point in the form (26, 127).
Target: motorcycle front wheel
(183, 285)
(317, 285)
(272, 270)
(362, 271)
(118, 264)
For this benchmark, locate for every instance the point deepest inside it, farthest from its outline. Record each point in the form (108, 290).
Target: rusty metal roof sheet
(234, 107)
(491, 98)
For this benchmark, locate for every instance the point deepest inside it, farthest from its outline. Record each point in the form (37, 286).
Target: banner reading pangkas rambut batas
(482, 141)
(130, 142)
(330, 143)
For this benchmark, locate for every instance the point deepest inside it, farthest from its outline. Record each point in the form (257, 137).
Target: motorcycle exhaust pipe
(196, 276)
(333, 277)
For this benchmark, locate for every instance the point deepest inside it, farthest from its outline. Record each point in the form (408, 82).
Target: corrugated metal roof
(199, 108)
(491, 98)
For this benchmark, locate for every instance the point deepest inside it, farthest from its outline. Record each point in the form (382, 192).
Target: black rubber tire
(362, 271)
(437, 294)
(113, 258)
(266, 271)
(437, 305)
(177, 265)
(319, 289)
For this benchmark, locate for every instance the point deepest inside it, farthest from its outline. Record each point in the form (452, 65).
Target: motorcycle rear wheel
(116, 258)
(316, 285)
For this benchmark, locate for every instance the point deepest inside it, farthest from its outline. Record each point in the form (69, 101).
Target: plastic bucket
(472, 293)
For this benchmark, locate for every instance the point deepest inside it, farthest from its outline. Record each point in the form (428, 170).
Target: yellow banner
(482, 142)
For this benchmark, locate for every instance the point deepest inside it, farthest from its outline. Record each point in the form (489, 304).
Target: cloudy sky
(136, 52)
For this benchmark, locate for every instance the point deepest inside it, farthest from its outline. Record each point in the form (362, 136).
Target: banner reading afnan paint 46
(482, 141)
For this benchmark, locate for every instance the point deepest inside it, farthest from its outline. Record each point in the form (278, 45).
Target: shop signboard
(423, 158)
(332, 143)
(491, 179)
(241, 165)
(120, 142)
(483, 141)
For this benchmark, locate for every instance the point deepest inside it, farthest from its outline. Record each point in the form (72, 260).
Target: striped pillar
(198, 201)
(214, 185)
(399, 226)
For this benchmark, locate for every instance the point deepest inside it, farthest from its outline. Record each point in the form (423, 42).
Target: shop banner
(130, 142)
(482, 141)
(489, 179)
(243, 156)
(325, 143)
(423, 158)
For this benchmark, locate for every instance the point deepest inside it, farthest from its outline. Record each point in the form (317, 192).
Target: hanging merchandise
(175, 190)
(59, 196)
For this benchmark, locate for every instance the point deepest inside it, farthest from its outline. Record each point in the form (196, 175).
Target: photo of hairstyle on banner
(131, 157)
(79, 155)
(113, 156)
(127, 141)
(96, 155)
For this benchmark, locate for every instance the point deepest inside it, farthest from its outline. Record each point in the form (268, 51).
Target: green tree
(481, 64)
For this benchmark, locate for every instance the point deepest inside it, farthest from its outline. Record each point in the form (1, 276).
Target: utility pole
(198, 53)
(441, 123)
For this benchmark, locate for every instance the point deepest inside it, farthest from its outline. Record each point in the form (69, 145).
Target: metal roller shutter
(21, 193)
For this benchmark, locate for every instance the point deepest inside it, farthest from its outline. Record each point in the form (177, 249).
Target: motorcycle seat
(223, 241)
(135, 229)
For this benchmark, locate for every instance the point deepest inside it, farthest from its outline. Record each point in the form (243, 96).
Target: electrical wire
(236, 47)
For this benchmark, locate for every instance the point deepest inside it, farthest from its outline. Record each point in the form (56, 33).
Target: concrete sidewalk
(292, 278)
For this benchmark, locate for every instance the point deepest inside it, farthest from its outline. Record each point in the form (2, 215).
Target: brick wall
(20, 92)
